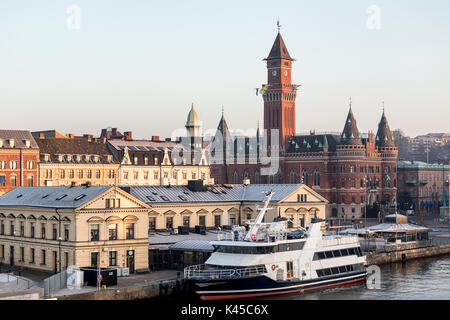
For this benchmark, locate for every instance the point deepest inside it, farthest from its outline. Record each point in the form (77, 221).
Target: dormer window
(11, 143)
(1, 143)
(60, 157)
(27, 143)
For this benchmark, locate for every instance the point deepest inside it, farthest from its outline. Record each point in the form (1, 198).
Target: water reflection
(417, 279)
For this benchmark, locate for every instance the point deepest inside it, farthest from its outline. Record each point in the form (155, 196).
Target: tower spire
(278, 25)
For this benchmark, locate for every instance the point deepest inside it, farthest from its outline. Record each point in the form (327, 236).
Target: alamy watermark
(73, 21)
(373, 277)
(374, 17)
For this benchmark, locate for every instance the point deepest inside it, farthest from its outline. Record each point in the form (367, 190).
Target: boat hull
(263, 286)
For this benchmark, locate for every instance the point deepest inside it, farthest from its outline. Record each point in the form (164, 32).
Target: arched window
(293, 177)
(305, 176)
(316, 177)
(257, 177)
(236, 177)
(246, 174)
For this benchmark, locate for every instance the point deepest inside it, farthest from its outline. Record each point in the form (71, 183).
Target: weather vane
(279, 25)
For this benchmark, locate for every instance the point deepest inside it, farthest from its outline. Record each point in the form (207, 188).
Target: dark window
(95, 232)
(113, 258)
(320, 273)
(169, 223)
(337, 253)
(66, 232)
(152, 224)
(55, 232)
(329, 254)
(327, 272)
(342, 269)
(334, 270)
(112, 228)
(322, 255)
(344, 252)
(43, 231)
(130, 231)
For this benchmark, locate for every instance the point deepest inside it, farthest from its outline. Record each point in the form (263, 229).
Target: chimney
(88, 137)
(128, 135)
(196, 185)
(70, 135)
(41, 135)
(155, 138)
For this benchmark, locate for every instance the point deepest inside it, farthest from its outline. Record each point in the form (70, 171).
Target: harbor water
(422, 279)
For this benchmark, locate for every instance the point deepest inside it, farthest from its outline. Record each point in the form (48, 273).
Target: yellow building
(226, 205)
(77, 161)
(50, 228)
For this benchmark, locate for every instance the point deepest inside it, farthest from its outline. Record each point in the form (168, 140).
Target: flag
(295, 87)
(264, 89)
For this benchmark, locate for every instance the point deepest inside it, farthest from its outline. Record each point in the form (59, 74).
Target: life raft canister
(274, 267)
(253, 237)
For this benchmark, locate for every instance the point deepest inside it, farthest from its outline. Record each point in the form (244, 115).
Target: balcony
(423, 181)
(413, 181)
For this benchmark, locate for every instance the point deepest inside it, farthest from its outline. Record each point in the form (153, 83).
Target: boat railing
(200, 272)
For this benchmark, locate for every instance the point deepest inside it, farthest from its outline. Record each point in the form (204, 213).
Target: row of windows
(362, 169)
(32, 255)
(13, 181)
(165, 175)
(337, 253)
(48, 174)
(112, 232)
(32, 230)
(262, 249)
(338, 270)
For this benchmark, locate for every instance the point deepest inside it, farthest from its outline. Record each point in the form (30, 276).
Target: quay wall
(155, 290)
(407, 254)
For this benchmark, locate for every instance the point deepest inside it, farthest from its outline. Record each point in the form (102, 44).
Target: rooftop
(64, 197)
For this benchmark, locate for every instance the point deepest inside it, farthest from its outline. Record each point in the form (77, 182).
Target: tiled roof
(78, 146)
(313, 143)
(142, 145)
(19, 136)
(46, 197)
(384, 136)
(279, 50)
(350, 134)
(215, 193)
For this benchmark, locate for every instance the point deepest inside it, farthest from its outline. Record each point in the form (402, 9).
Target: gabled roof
(47, 197)
(279, 50)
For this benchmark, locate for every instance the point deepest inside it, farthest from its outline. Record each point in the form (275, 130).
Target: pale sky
(139, 64)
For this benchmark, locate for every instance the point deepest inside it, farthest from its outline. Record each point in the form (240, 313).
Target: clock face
(274, 73)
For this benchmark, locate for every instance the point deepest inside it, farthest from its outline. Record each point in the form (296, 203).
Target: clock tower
(279, 99)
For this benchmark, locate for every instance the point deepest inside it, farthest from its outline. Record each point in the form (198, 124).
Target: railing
(198, 272)
(383, 246)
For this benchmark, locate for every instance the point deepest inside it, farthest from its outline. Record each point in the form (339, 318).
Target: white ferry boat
(269, 260)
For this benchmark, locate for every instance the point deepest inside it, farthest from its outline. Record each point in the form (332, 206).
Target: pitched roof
(384, 136)
(142, 145)
(19, 137)
(78, 146)
(215, 193)
(47, 197)
(279, 50)
(313, 143)
(350, 135)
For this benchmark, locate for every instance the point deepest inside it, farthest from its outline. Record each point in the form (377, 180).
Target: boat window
(335, 270)
(351, 251)
(359, 252)
(321, 255)
(337, 253)
(329, 254)
(344, 252)
(327, 272)
(320, 273)
(342, 269)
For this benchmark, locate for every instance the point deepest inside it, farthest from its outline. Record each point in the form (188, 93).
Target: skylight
(80, 197)
(61, 197)
(150, 198)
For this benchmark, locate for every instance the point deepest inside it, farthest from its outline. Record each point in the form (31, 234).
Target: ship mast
(254, 226)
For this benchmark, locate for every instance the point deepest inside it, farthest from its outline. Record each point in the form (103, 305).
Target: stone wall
(404, 255)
